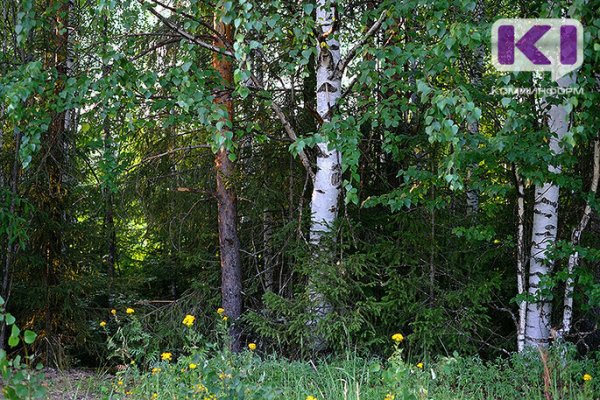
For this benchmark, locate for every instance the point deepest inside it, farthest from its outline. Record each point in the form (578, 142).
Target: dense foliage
(137, 136)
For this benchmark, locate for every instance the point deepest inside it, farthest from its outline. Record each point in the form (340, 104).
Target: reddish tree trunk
(231, 269)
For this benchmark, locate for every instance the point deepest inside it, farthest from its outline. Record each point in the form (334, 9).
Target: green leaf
(308, 8)
(13, 341)
(186, 67)
(10, 319)
(29, 336)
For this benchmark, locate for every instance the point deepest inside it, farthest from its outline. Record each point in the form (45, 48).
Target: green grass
(249, 376)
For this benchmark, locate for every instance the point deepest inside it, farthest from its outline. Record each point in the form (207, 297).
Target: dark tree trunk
(11, 248)
(231, 270)
(109, 223)
(54, 156)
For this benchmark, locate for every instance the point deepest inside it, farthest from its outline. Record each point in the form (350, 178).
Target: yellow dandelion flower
(128, 393)
(397, 337)
(192, 366)
(166, 356)
(155, 395)
(311, 398)
(155, 371)
(389, 396)
(225, 318)
(220, 311)
(587, 377)
(130, 310)
(113, 311)
(420, 365)
(120, 383)
(189, 320)
(252, 346)
(103, 324)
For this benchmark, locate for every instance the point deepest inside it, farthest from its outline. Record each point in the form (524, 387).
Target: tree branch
(185, 34)
(287, 126)
(343, 64)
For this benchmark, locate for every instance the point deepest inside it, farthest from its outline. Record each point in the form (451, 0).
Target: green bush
(19, 381)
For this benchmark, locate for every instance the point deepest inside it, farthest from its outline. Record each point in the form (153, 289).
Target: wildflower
(200, 388)
(225, 318)
(192, 366)
(166, 356)
(120, 383)
(587, 377)
(252, 346)
(103, 324)
(132, 362)
(155, 395)
(113, 311)
(220, 311)
(128, 393)
(311, 398)
(223, 376)
(389, 396)
(420, 365)
(189, 320)
(155, 371)
(130, 310)
(397, 337)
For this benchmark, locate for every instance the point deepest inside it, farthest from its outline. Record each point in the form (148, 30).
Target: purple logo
(554, 45)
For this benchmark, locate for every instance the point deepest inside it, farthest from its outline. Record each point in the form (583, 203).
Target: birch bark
(327, 179)
(575, 240)
(543, 234)
(327, 182)
(520, 258)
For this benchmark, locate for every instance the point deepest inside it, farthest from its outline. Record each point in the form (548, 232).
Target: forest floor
(73, 384)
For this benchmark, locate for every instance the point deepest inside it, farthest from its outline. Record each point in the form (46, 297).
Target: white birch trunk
(521, 259)
(327, 181)
(543, 233)
(575, 239)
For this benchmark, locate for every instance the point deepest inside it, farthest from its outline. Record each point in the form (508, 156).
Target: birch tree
(543, 233)
(573, 262)
(327, 181)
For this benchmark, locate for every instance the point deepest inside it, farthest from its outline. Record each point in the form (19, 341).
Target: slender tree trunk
(109, 222)
(268, 266)
(521, 275)
(231, 269)
(476, 73)
(543, 234)
(575, 240)
(54, 148)
(11, 248)
(327, 181)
